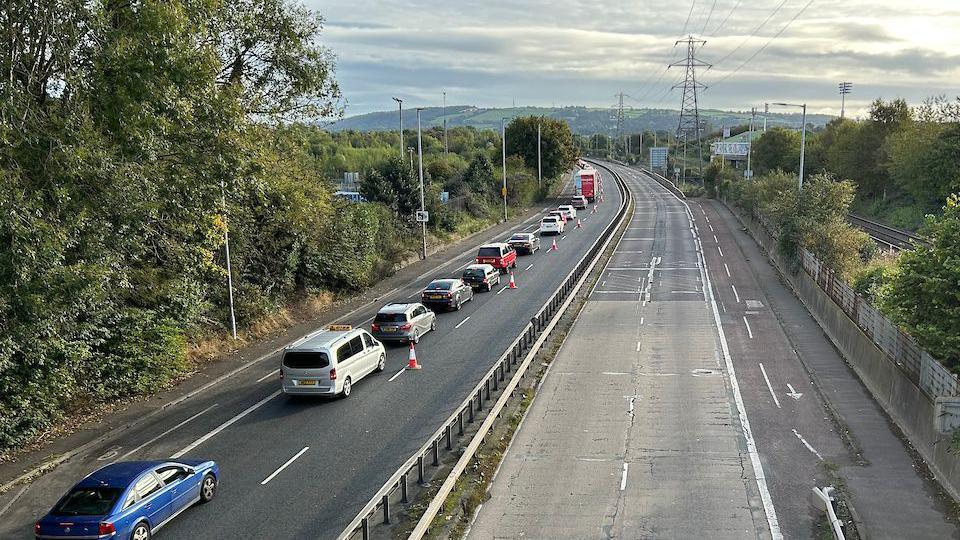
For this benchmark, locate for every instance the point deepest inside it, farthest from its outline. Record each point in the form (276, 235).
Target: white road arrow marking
(793, 393)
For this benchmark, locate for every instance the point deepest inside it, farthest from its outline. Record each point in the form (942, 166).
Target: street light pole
(226, 244)
(503, 140)
(400, 104)
(803, 134)
(539, 166)
(753, 115)
(422, 202)
(446, 149)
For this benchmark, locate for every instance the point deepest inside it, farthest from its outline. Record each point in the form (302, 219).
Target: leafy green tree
(557, 148)
(778, 148)
(479, 175)
(922, 294)
(394, 185)
(924, 158)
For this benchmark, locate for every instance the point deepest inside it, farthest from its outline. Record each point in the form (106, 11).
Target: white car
(569, 210)
(330, 362)
(551, 225)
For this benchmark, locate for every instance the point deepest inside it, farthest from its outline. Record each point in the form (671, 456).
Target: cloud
(542, 52)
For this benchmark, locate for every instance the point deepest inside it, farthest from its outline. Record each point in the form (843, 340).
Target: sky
(497, 53)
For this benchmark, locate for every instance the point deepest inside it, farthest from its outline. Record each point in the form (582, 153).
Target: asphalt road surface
(303, 468)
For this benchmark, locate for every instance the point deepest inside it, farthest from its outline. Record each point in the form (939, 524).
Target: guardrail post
(365, 529)
(509, 363)
(494, 377)
(460, 420)
(480, 399)
(486, 384)
(403, 489)
(449, 438)
(436, 453)
(502, 373)
(420, 469)
(470, 417)
(386, 509)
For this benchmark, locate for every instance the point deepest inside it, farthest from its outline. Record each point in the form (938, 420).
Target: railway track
(894, 239)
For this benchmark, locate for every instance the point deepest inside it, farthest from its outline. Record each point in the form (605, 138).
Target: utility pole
(400, 104)
(503, 140)
(749, 172)
(689, 126)
(226, 245)
(845, 88)
(539, 165)
(446, 149)
(422, 203)
(803, 134)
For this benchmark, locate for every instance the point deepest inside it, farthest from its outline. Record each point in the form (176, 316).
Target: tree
(479, 175)
(557, 148)
(922, 294)
(778, 148)
(924, 158)
(394, 185)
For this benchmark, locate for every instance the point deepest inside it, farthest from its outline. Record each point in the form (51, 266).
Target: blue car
(130, 500)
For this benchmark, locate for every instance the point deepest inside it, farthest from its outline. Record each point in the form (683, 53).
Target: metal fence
(925, 371)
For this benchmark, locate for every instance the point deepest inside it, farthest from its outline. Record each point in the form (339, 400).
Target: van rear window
(305, 360)
(489, 252)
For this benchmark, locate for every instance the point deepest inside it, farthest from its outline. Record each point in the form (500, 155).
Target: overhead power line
(765, 45)
(709, 16)
(692, 5)
(727, 18)
(754, 33)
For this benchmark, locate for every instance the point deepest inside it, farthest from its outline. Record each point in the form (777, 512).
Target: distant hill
(582, 120)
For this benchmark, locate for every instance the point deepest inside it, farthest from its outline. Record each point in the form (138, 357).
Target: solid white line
(397, 374)
(749, 332)
(14, 499)
(268, 375)
(529, 267)
(167, 432)
(461, 323)
(759, 476)
(737, 296)
(769, 387)
(224, 426)
(727, 268)
(805, 443)
(284, 466)
(623, 478)
(720, 250)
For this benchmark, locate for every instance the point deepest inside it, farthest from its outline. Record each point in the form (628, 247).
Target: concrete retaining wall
(907, 405)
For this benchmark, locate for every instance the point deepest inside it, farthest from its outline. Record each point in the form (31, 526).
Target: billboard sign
(730, 149)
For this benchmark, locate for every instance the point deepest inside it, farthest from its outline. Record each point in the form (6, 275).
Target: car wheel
(347, 387)
(140, 532)
(208, 488)
(415, 338)
(433, 324)
(514, 265)
(382, 363)
(459, 303)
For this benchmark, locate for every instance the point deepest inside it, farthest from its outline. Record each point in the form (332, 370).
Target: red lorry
(587, 183)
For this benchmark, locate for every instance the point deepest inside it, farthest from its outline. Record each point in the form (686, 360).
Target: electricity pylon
(689, 128)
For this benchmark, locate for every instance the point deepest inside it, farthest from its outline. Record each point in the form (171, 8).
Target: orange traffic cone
(412, 364)
(579, 225)
(513, 284)
(554, 246)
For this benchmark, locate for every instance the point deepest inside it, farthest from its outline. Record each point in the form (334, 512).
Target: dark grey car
(450, 293)
(401, 321)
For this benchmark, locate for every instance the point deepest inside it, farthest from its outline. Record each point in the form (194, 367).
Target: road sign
(423, 216)
(444, 197)
(658, 157)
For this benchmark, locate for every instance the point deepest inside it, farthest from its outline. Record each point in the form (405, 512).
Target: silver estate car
(401, 321)
(330, 362)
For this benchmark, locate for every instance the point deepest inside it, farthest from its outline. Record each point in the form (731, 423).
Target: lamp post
(400, 104)
(422, 203)
(803, 134)
(503, 140)
(539, 166)
(446, 149)
(226, 245)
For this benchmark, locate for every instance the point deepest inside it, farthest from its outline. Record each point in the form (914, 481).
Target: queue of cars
(133, 500)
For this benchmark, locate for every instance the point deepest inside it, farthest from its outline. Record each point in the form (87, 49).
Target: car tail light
(281, 374)
(333, 374)
(36, 528)
(406, 326)
(106, 528)
(374, 327)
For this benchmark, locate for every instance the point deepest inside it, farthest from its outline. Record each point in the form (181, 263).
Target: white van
(330, 362)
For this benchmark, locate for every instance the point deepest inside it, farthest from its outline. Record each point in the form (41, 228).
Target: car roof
(322, 340)
(522, 234)
(118, 475)
(564, 206)
(444, 280)
(494, 244)
(484, 267)
(397, 307)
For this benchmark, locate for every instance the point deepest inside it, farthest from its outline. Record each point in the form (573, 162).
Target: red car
(499, 255)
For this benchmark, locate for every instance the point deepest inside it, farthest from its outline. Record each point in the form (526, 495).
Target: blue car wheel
(208, 488)
(140, 532)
